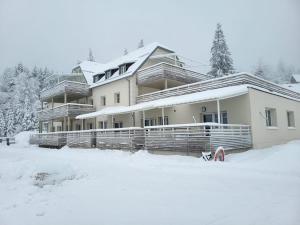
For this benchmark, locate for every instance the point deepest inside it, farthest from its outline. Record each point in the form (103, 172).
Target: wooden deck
(162, 71)
(65, 110)
(187, 138)
(232, 80)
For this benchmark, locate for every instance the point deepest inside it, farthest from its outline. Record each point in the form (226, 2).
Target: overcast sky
(58, 33)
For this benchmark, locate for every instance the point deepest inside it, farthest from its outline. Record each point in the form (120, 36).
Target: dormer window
(97, 77)
(124, 67)
(107, 74)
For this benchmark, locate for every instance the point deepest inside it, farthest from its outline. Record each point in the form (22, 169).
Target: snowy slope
(114, 187)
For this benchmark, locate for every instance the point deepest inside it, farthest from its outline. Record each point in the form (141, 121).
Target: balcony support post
(166, 84)
(95, 127)
(65, 123)
(163, 116)
(143, 125)
(69, 128)
(82, 122)
(219, 114)
(65, 97)
(112, 121)
(52, 103)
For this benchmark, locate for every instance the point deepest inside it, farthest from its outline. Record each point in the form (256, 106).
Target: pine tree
(91, 56)
(221, 61)
(141, 44)
(261, 70)
(2, 123)
(125, 51)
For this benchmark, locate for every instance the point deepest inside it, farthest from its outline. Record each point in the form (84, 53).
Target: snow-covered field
(91, 187)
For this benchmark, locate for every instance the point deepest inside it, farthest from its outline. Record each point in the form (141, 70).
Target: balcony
(74, 86)
(163, 71)
(226, 81)
(66, 110)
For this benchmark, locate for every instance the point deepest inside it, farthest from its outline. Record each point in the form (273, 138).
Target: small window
(103, 100)
(117, 97)
(118, 125)
(102, 124)
(107, 74)
(122, 69)
(91, 126)
(166, 120)
(271, 120)
(291, 119)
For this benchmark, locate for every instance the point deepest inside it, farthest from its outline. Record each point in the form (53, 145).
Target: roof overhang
(198, 97)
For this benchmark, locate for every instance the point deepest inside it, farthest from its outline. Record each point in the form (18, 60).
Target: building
(150, 99)
(295, 79)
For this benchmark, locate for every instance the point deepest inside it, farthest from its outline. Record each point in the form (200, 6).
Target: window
(213, 117)
(107, 74)
(77, 127)
(122, 69)
(102, 124)
(117, 97)
(166, 120)
(91, 126)
(291, 119)
(91, 101)
(118, 125)
(103, 100)
(271, 120)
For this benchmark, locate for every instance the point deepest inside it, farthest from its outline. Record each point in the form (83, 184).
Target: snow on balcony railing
(165, 70)
(65, 86)
(226, 81)
(188, 138)
(65, 110)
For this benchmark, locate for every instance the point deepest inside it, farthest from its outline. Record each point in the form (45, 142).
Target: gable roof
(296, 77)
(88, 69)
(137, 57)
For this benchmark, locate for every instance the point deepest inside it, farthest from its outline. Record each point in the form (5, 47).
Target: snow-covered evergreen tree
(125, 51)
(91, 56)
(141, 44)
(221, 61)
(261, 70)
(19, 98)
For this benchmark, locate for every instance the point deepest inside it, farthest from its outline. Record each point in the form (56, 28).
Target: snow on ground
(79, 187)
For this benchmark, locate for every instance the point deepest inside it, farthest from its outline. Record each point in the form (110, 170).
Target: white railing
(65, 110)
(226, 81)
(188, 138)
(165, 70)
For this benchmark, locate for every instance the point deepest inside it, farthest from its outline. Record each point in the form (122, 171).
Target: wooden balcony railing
(164, 70)
(187, 138)
(73, 89)
(65, 110)
(232, 80)
(198, 137)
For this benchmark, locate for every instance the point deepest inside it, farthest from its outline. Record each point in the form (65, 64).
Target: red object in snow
(219, 154)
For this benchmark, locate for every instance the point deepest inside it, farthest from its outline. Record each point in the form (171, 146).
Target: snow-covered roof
(136, 57)
(293, 87)
(88, 69)
(296, 77)
(209, 95)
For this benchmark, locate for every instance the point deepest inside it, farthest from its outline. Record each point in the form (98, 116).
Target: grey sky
(57, 33)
